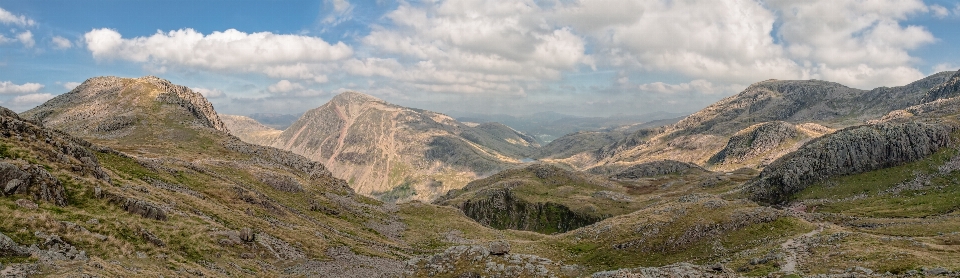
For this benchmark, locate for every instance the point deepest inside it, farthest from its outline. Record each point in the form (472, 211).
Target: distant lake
(527, 160)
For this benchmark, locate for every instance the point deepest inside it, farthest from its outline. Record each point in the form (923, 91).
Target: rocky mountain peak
(948, 89)
(107, 104)
(351, 97)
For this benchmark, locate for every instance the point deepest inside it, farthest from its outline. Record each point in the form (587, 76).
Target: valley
(143, 177)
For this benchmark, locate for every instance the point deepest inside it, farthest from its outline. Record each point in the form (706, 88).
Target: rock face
(31, 180)
(756, 140)
(378, 146)
(948, 89)
(849, 151)
(113, 107)
(655, 168)
(501, 209)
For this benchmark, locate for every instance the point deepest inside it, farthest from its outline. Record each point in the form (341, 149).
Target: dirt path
(793, 247)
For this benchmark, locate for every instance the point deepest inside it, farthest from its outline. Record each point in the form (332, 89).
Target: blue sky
(599, 57)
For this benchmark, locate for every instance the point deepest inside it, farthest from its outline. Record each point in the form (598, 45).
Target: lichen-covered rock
(10, 248)
(755, 140)
(849, 151)
(31, 180)
(502, 210)
(656, 168)
(499, 248)
(136, 206)
(948, 89)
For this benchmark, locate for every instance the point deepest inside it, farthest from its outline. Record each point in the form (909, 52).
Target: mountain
(547, 126)
(137, 176)
(250, 130)
(784, 114)
(396, 152)
(275, 120)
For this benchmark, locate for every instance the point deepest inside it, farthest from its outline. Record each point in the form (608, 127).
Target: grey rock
(656, 168)
(849, 151)
(27, 204)
(755, 141)
(32, 180)
(499, 248)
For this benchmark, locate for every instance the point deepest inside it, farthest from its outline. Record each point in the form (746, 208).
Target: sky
(587, 58)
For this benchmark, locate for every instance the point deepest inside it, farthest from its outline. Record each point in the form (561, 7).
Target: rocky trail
(794, 247)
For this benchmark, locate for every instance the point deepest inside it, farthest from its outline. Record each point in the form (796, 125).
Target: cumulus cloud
(698, 86)
(31, 99)
(939, 11)
(470, 46)
(61, 42)
(209, 93)
(284, 86)
(71, 85)
(7, 87)
(945, 67)
(297, 71)
(860, 41)
(26, 38)
(230, 50)
(9, 18)
(4, 40)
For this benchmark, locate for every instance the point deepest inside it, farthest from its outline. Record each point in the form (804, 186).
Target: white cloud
(733, 41)
(230, 50)
(7, 17)
(939, 11)
(7, 87)
(26, 38)
(209, 93)
(342, 11)
(4, 40)
(31, 99)
(61, 42)
(698, 86)
(297, 71)
(470, 46)
(945, 67)
(71, 85)
(284, 86)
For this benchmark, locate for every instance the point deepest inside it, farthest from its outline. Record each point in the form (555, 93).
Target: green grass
(865, 193)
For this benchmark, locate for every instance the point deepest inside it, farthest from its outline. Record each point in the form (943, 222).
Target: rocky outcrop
(54, 145)
(948, 89)
(656, 168)
(134, 205)
(502, 210)
(755, 141)
(849, 151)
(188, 99)
(31, 180)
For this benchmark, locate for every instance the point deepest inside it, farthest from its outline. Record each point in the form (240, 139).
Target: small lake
(527, 160)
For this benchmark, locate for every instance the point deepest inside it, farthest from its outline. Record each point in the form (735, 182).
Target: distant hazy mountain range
(547, 126)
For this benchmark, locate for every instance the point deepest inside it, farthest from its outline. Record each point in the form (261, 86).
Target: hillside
(172, 194)
(394, 152)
